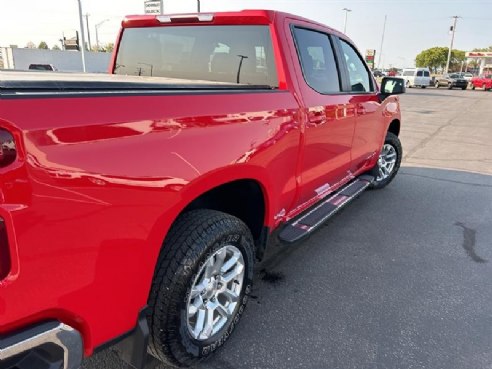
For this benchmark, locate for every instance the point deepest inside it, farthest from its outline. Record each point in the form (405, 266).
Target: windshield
(235, 54)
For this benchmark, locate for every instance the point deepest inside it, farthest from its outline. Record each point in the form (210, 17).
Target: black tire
(450, 86)
(437, 84)
(192, 240)
(473, 87)
(463, 88)
(423, 86)
(393, 140)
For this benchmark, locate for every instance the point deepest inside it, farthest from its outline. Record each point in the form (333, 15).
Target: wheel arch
(394, 127)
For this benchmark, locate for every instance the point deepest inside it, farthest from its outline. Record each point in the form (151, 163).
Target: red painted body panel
(99, 180)
(101, 186)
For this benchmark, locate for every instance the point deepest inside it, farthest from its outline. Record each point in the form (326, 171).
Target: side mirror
(392, 86)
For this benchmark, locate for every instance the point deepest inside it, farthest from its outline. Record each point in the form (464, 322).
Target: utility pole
(97, 32)
(82, 35)
(382, 39)
(346, 10)
(162, 6)
(198, 5)
(453, 29)
(88, 30)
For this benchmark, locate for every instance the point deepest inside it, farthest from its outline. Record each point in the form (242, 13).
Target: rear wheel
(201, 286)
(389, 161)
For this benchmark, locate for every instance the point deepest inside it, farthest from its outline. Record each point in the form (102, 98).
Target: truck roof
(243, 17)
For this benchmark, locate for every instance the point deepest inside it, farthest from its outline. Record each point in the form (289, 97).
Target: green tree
(104, 48)
(56, 47)
(436, 58)
(483, 49)
(108, 47)
(43, 45)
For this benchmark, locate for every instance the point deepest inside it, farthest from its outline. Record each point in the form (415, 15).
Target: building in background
(62, 60)
(484, 59)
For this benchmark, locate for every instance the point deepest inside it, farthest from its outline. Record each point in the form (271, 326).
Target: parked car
(484, 81)
(134, 208)
(416, 77)
(43, 67)
(378, 73)
(467, 76)
(451, 81)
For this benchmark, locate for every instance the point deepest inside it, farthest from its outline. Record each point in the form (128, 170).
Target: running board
(314, 218)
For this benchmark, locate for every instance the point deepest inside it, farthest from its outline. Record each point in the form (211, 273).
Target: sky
(412, 25)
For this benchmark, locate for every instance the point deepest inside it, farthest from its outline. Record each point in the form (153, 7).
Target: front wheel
(201, 285)
(389, 161)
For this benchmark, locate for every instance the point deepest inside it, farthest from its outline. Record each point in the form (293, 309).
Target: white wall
(64, 61)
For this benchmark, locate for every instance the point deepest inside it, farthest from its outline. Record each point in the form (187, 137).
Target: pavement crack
(469, 240)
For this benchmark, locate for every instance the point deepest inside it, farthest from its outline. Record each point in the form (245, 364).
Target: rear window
(236, 54)
(426, 73)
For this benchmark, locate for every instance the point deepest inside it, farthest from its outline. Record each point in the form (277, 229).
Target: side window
(420, 73)
(358, 74)
(317, 60)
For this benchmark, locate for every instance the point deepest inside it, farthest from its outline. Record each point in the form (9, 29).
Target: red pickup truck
(484, 82)
(134, 205)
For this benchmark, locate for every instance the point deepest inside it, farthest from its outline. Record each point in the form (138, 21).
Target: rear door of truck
(328, 135)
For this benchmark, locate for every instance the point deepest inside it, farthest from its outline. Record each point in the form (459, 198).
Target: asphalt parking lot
(399, 279)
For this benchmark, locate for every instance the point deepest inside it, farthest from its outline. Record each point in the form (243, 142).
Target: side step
(314, 218)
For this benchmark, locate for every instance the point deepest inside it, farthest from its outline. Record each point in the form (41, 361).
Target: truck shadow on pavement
(399, 279)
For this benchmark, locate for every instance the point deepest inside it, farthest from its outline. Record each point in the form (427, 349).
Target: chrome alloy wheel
(386, 162)
(215, 293)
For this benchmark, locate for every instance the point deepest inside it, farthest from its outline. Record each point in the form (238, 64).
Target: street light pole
(81, 21)
(452, 40)
(346, 10)
(88, 30)
(97, 32)
(198, 5)
(382, 39)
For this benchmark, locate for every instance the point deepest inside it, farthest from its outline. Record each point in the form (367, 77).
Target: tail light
(4, 251)
(8, 151)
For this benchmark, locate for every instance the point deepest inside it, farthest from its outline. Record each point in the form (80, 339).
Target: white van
(416, 77)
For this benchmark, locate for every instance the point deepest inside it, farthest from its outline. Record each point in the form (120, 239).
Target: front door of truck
(369, 127)
(330, 114)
